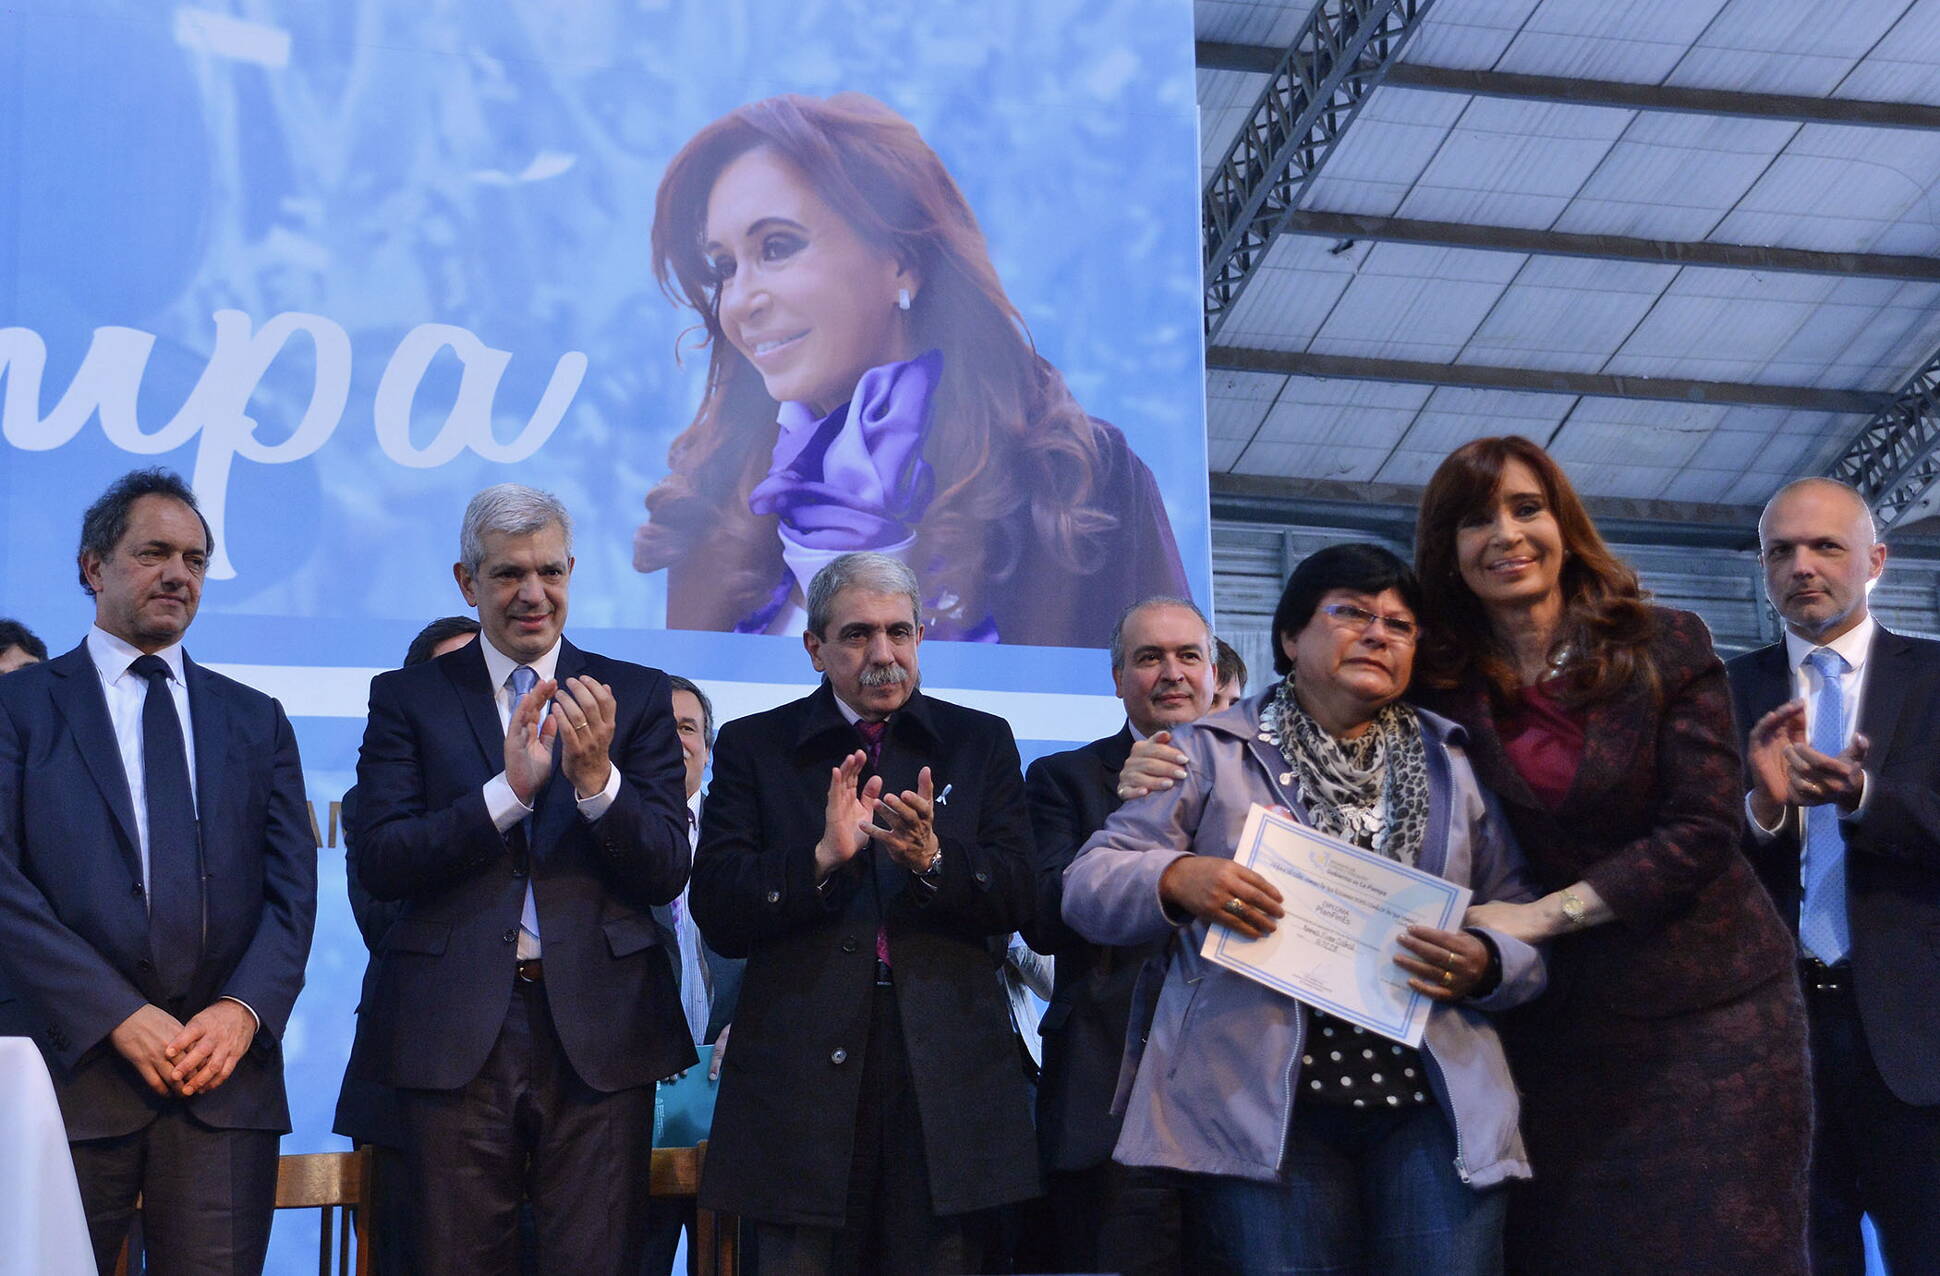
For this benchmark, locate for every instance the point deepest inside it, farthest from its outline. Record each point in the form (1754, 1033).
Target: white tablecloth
(42, 1229)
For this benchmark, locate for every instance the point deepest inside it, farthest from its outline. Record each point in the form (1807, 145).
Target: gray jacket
(1212, 1068)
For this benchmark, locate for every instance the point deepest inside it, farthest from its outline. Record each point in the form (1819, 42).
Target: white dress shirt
(696, 989)
(127, 693)
(501, 803)
(1854, 645)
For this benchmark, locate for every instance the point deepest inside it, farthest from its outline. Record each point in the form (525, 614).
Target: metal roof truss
(1895, 461)
(1341, 53)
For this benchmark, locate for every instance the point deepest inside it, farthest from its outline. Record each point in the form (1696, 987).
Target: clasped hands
(1444, 965)
(581, 721)
(185, 1059)
(849, 820)
(1788, 771)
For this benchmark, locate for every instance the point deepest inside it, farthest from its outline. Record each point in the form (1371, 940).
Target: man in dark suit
(19, 647)
(1229, 676)
(859, 846)
(710, 984)
(523, 799)
(367, 1112)
(157, 892)
(1843, 763)
(1109, 1217)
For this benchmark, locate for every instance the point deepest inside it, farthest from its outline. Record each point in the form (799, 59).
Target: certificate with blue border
(1345, 911)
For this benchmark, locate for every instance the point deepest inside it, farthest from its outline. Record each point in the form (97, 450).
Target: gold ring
(1448, 979)
(1448, 958)
(1236, 906)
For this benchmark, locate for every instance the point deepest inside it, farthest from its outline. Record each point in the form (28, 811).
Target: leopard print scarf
(1371, 790)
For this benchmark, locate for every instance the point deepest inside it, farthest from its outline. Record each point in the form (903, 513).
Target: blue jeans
(1366, 1192)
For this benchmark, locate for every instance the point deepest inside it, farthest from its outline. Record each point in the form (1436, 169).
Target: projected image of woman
(870, 386)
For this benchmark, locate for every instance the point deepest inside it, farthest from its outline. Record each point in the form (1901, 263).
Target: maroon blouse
(1544, 740)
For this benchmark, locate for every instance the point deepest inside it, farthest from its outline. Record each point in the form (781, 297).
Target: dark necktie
(174, 855)
(524, 679)
(872, 734)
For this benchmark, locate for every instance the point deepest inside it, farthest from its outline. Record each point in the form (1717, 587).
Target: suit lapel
(78, 697)
(1887, 680)
(1472, 706)
(209, 722)
(476, 695)
(1612, 735)
(1772, 683)
(1110, 754)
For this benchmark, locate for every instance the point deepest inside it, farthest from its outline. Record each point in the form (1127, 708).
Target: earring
(902, 299)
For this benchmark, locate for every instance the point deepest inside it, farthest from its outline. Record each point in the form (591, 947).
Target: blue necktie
(1823, 929)
(524, 679)
(174, 857)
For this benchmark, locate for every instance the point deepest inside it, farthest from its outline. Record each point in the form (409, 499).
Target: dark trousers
(206, 1195)
(528, 1126)
(1871, 1153)
(890, 1227)
(666, 1216)
(1115, 1218)
(390, 1213)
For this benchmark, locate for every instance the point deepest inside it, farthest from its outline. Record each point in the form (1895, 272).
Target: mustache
(883, 676)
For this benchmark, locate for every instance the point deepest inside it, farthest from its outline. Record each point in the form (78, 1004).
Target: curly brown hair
(1607, 624)
(1010, 446)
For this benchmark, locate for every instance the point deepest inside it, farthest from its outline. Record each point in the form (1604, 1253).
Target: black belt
(530, 971)
(1816, 976)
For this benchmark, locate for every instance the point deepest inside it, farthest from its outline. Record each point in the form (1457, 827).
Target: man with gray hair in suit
(523, 799)
(860, 847)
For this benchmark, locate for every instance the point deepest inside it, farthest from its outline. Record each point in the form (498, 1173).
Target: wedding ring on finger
(1448, 979)
(1236, 906)
(1448, 959)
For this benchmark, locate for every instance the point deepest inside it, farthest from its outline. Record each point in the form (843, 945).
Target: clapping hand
(584, 710)
(848, 812)
(1817, 778)
(528, 742)
(910, 833)
(1788, 771)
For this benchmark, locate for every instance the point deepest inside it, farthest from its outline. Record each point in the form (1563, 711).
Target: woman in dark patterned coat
(1666, 1106)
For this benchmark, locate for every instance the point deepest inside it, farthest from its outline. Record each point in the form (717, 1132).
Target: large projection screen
(343, 264)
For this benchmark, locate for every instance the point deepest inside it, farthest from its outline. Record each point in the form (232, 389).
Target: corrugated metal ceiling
(1594, 170)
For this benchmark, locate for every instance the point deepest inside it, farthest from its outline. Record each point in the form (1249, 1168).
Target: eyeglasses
(1349, 616)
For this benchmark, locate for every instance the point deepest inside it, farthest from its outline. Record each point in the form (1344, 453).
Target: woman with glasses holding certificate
(1308, 1143)
(1664, 1072)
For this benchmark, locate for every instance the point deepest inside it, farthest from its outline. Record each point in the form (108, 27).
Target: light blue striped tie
(1823, 929)
(524, 679)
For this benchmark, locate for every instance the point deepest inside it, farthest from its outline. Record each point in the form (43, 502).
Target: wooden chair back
(327, 1181)
(332, 1182)
(341, 1181)
(716, 1251)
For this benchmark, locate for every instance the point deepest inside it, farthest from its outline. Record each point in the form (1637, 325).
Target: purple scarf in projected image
(852, 480)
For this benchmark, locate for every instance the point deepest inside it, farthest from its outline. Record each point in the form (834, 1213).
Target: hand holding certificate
(1347, 912)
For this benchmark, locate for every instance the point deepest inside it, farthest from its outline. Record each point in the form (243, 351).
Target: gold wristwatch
(1574, 909)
